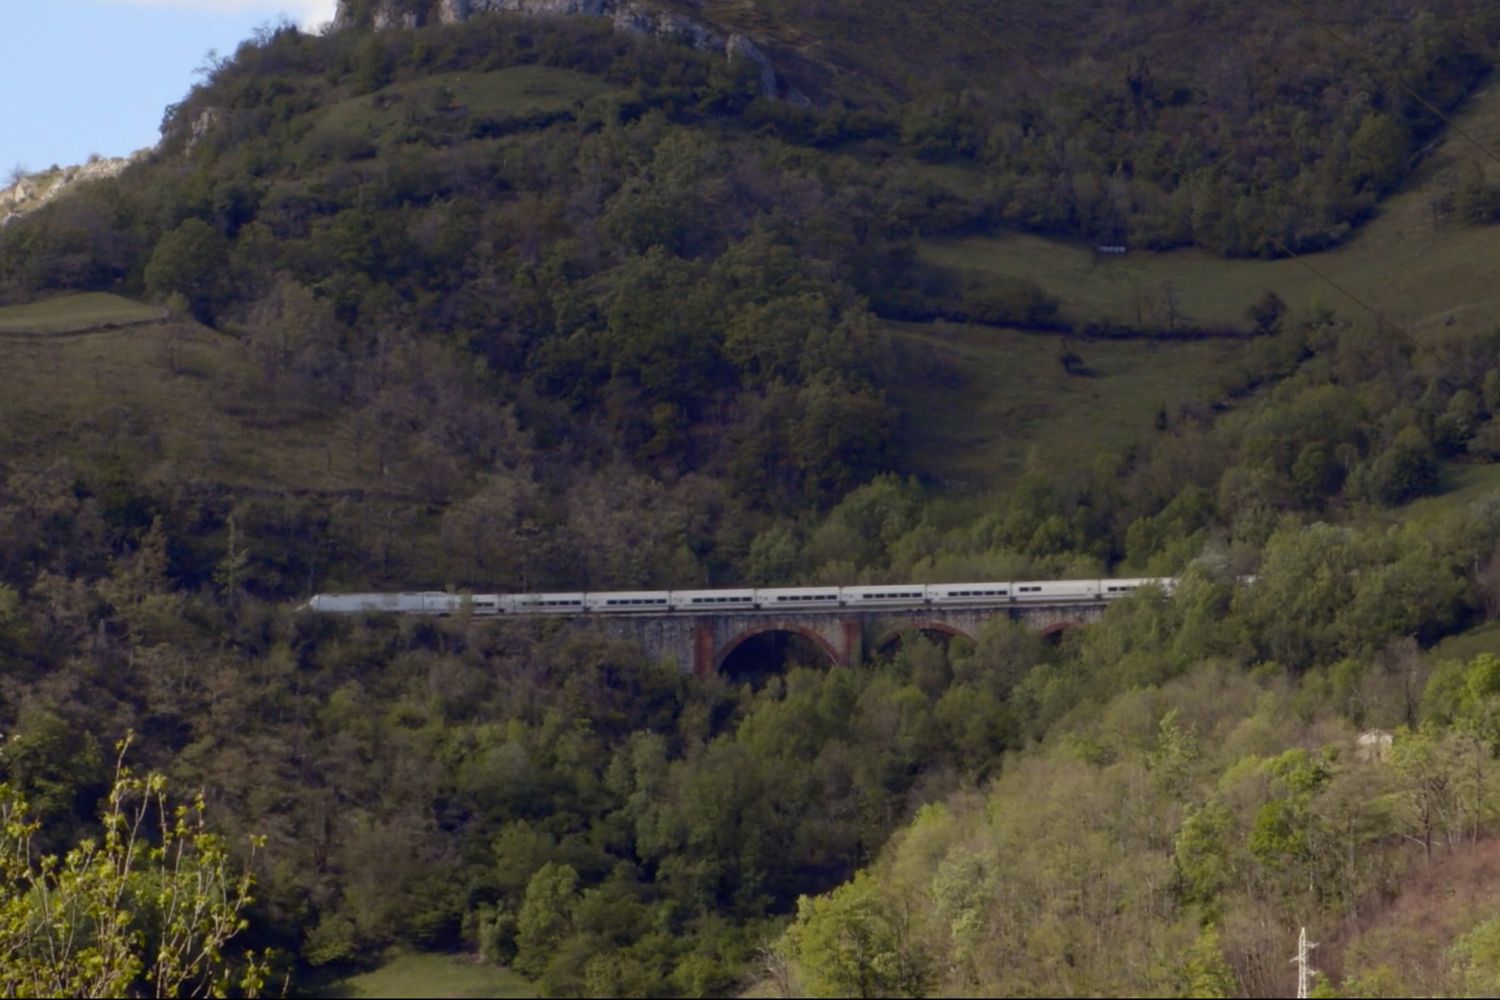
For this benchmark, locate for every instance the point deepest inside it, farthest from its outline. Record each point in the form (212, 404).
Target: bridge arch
(892, 636)
(1054, 632)
(835, 658)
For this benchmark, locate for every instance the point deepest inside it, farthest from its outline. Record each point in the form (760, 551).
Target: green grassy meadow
(74, 313)
(428, 975)
(1462, 484)
(517, 91)
(115, 390)
(977, 401)
(1464, 646)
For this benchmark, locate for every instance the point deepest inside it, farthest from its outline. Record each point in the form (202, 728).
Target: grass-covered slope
(977, 402)
(75, 314)
(429, 975)
(99, 377)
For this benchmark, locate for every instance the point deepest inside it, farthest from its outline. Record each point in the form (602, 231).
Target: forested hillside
(529, 303)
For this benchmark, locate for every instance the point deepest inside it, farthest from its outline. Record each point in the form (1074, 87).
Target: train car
(546, 604)
(713, 600)
(1042, 591)
(792, 598)
(1112, 589)
(626, 601)
(356, 604)
(969, 593)
(446, 604)
(888, 596)
(487, 605)
(426, 603)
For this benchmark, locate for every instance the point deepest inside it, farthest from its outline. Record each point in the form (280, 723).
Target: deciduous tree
(146, 908)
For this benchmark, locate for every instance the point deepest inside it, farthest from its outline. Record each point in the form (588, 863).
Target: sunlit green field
(1467, 645)
(976, 401)
(432, 976)
(178, 398)
(73, 313)
(515, 91)
(1461, 485)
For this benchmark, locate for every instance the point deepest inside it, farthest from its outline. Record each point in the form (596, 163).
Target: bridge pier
(704, 650)
(854, 641)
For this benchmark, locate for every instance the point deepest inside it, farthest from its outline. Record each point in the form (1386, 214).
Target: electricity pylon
(1305, 971)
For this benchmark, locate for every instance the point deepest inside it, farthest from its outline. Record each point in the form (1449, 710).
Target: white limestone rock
(207, 119)
(741, 47)
(32, 191)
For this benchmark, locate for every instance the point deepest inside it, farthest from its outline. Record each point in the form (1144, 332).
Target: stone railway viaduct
(702, 642)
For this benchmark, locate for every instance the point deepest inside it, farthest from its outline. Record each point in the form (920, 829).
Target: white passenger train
(637, 602)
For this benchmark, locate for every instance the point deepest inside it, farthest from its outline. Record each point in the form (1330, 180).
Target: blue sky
(92, 76)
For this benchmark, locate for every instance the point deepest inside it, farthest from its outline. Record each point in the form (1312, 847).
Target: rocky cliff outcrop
(626, 15)
(32, 191)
